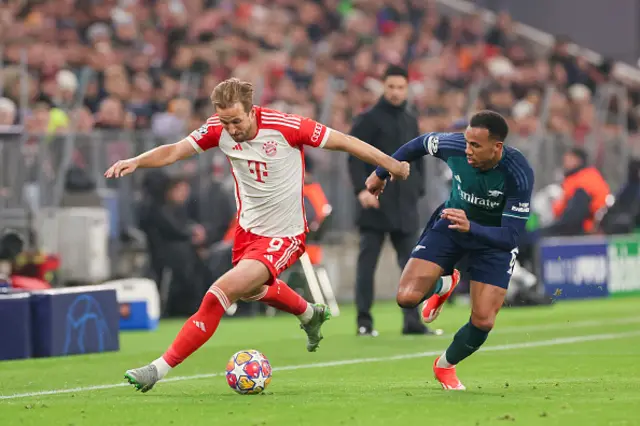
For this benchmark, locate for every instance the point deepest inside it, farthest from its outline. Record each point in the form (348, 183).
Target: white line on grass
(568, 324)
(506, 347)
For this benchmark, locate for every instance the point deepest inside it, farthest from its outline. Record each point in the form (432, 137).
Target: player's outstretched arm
(338, 141)
(410, 151)
(161, 156)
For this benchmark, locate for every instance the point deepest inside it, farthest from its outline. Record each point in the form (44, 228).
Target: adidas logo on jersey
(200, 325)
(237, 147)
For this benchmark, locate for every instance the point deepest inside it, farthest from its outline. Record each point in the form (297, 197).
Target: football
(248, 372)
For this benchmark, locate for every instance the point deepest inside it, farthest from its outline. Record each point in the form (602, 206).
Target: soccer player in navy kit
(480, 224)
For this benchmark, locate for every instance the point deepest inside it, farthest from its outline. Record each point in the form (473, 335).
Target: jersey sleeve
(519, 186)
(439, 145)
(310, 132)
(444, 145)
(207, 136)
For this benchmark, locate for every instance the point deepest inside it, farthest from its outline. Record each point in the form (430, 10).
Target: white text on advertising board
(624, 268)
(582, 270)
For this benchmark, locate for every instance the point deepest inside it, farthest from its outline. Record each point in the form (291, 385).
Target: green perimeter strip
(619, 294)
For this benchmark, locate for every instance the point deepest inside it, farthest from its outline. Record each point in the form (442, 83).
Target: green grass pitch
(574, 363)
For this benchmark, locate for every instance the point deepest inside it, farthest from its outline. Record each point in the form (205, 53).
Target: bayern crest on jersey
(270, 148)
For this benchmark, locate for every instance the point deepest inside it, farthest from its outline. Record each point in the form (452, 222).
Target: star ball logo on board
(83, 316)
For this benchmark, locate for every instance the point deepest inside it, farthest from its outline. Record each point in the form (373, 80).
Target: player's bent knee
(255, 295)
(483, 321)
(409, 298)
(244, 280)
(419, 277)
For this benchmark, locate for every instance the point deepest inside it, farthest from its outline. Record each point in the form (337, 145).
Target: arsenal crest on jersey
(270, 148)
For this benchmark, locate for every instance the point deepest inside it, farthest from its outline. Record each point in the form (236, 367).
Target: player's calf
(419, 278)
(466, 341)
(312, 316)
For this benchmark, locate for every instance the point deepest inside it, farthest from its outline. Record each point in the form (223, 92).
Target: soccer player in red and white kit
(265, 150)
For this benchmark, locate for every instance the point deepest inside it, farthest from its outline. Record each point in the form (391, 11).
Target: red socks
(282, 297)
(199, 328)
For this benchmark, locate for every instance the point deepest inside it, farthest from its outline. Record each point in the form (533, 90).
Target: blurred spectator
(154, 57)
(387, 126)
(584, 194)
(623, 216)
(8, 112)
(172, 238)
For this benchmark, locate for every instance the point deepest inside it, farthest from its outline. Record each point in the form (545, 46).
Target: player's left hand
(374, 184)
(458, 219)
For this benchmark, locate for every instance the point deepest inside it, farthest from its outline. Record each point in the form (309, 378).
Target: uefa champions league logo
(85, 315)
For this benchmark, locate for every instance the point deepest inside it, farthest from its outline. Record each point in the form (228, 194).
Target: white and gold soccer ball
(248, 372)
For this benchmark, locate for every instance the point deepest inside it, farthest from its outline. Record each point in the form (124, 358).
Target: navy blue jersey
(496, 201)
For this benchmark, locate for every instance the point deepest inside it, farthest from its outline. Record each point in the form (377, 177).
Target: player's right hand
(368, 200)
(122, 168)
(401, 171)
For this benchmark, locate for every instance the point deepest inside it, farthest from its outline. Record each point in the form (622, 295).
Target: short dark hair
(580, 153)
(395, 70)
(493, 122)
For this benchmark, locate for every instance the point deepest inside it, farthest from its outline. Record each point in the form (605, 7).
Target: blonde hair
(229, 92)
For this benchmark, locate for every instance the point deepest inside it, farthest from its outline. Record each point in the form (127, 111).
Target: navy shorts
(448, 248)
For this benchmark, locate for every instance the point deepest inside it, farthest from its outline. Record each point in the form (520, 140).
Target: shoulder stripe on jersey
(280, 114)
(518, 174)
(452, 147)
(271, 116)
(207, 125)
(281, 123)
(450, 144)
(516, 168)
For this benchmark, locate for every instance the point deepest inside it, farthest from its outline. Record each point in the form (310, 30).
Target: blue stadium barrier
(575, 267)
(78, 320)
(139, 303)
(15, 326)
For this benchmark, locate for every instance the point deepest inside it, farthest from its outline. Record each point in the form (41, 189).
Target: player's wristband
(382, 173)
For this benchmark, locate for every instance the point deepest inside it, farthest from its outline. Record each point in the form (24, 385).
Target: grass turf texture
(559, 380)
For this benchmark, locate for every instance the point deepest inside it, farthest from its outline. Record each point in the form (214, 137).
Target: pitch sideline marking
(494, 348)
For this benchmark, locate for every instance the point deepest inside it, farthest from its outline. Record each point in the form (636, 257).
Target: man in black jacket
(387, 126)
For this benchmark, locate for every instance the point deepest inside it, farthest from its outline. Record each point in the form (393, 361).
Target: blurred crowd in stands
(155, 63)
(75, 66)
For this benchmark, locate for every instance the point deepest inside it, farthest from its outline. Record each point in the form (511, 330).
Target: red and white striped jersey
(268, 170)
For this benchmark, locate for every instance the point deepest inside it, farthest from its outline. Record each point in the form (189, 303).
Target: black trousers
(370, 246)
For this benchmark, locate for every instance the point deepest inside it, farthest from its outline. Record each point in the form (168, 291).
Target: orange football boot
(432, 306)
(447, 377)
